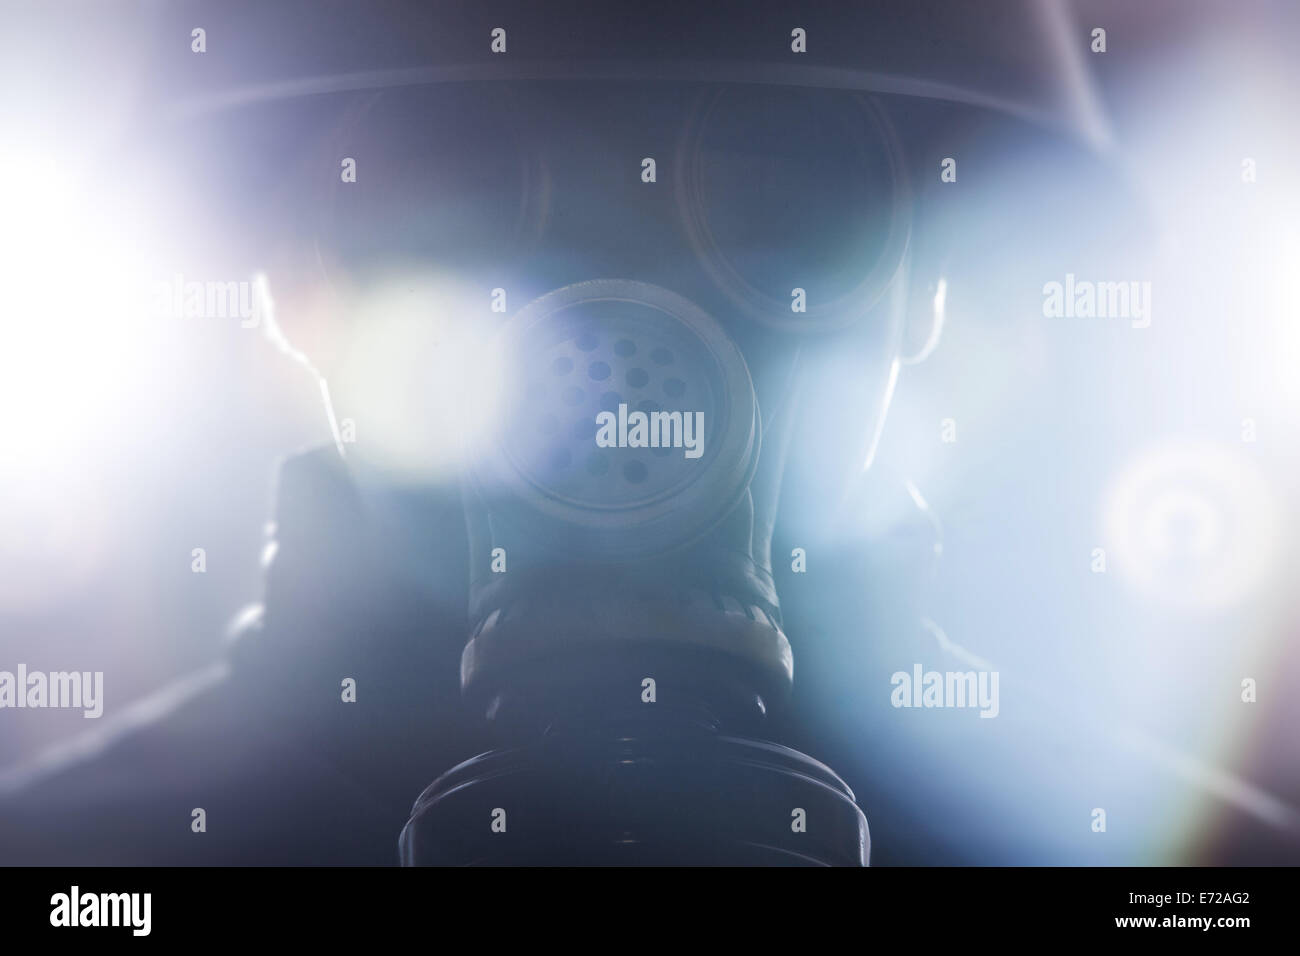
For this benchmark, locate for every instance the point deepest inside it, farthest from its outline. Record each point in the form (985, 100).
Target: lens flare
(1193, 526)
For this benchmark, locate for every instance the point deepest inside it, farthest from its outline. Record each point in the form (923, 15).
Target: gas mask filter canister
(611, 520)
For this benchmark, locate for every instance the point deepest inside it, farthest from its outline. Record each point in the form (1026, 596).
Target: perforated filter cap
(631, 425)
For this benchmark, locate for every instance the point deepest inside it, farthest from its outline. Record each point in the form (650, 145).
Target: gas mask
(690, 286)
(703, 328)
(667, 313)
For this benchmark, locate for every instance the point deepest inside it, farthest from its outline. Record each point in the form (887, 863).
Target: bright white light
(67, 345)
(1282, 307)
(417, 383)
(68, 355)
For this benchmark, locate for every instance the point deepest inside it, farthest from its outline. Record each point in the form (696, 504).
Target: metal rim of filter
(755, 304)
(613, 520)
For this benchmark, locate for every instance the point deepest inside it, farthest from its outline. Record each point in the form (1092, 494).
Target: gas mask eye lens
(784, 189)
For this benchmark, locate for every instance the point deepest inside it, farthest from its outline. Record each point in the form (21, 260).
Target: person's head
(625, 304)
(616, 310)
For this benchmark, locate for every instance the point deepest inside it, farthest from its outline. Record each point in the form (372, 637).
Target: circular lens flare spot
(1193, 526)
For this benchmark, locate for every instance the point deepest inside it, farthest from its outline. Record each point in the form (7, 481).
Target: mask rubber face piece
(632, 426)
